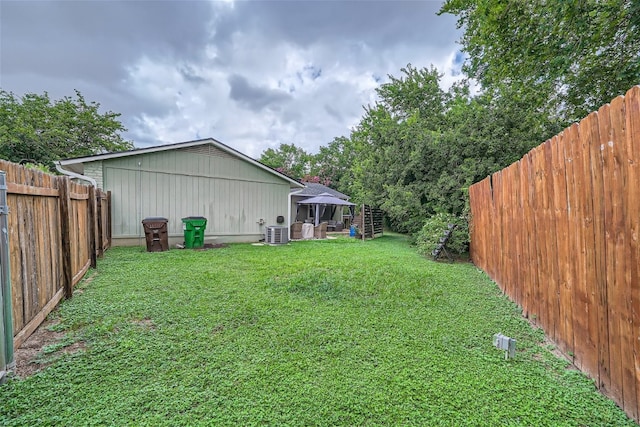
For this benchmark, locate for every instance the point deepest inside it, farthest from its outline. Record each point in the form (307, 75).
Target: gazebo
(322, 202)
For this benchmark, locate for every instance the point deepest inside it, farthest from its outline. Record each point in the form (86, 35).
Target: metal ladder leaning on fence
(441, 247)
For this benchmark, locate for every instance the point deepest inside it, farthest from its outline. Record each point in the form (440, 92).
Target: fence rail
(558, 231)
(55, 234)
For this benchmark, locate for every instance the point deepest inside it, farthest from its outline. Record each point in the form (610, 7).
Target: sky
(250, 74)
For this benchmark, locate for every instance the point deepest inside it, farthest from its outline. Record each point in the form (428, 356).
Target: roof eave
(137, 151)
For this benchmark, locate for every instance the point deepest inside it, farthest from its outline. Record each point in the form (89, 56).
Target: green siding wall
(231, 193)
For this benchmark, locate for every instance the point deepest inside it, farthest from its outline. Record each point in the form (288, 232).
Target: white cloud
(251, 74)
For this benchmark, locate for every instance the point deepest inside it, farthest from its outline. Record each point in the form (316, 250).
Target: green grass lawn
(334, 332)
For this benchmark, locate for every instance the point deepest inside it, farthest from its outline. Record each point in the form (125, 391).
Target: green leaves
(396, 142)
(288, 159)
(540, 64)
(419, 148)
(36, 130)
(333, 165)
(569, 57)
(417, 91)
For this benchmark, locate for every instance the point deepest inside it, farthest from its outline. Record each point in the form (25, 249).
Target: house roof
(314, 189)
(167, 147)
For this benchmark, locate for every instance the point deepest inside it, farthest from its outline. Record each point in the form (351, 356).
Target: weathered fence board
(633, 148)
(550, 227)
(614, 238)
(564, 327)
(558, 231)
(632, 225)
(80, 232)
(600, 295)
(531, 248)
(622, 260)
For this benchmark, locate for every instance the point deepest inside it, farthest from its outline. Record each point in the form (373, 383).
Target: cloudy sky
(251, 74)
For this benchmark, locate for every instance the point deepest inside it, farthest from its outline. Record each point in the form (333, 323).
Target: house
(302, 212)
(238, 195)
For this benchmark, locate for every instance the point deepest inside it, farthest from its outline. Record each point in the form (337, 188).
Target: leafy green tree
(540, 64)
(416, 93)
(396, 144)
(288, 159)
(482, 135)
(566, 58)
(37, 130)
(419, 148)
(332, 164)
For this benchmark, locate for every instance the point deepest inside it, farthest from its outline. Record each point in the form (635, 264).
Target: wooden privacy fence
(558, 231)
(56, 230)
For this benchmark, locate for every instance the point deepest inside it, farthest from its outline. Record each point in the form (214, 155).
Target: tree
(34, 129)
(397, 158)
(332, 164)
(417, 150)
(288, 159)
(417, 91)
(566, 58)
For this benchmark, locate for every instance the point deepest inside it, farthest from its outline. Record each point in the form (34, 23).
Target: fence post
(6, 329)
(3, 341)
(91, 213)
(67, 267)
(109, 217)
(363, 222)
(100, 219)
(373, 231)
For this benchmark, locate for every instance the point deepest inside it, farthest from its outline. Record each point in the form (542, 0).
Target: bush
(433, 229)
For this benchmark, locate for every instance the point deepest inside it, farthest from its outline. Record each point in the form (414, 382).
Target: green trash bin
(193, 227)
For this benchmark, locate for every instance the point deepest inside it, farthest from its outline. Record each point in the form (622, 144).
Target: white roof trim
(187, 144)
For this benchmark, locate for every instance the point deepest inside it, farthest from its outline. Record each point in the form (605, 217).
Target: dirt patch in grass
(30, 357)
(212, 246)
(145, 323)
(551, 347)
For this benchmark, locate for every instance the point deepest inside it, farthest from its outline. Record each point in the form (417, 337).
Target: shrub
(37, 166)
(433, 229)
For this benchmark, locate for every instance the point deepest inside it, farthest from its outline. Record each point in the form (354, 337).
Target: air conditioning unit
(276, 235)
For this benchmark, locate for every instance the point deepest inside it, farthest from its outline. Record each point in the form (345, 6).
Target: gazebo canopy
(324, 199)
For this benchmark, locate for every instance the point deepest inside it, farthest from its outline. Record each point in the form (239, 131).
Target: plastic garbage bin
(352, 231)
(194, 227)
(155, 232)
